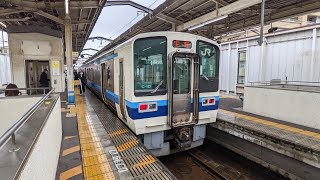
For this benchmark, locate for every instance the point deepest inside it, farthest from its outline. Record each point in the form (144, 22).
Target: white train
(152, 81)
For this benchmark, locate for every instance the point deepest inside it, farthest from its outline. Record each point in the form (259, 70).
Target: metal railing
(11, 131)
(43, 90)
(306, 86)
(276, 82)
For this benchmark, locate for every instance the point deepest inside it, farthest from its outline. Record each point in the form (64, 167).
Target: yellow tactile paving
(71, 150)
(92, 152)
(91, 146)
(94, 158)
(89, 140)
(273, 124)
(102, 177)
(98, 169)
(70, 173)
(127, 145)
(147, 160)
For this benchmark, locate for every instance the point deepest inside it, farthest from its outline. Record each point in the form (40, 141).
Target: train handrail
(16, 126)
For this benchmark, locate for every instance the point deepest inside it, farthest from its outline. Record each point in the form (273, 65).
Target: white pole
(68, 46)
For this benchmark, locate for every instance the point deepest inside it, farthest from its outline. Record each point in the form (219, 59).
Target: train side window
(209, 69)
(150, 62)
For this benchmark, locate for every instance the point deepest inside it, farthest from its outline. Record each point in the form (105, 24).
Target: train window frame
(204, 86)
(163, 91)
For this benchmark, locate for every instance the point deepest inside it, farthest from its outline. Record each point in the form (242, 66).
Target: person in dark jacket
(83, 79)
(44, 81)
(75, 75)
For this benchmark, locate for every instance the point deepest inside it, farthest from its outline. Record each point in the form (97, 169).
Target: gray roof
(47, 17)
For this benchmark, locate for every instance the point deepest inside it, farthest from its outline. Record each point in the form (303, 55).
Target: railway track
(208, 165)
(212, 161)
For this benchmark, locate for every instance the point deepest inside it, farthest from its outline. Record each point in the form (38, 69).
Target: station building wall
(5, 69)
(37, 47)
(292, 55)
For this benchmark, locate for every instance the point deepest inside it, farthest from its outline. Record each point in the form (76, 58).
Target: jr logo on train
(163, 85)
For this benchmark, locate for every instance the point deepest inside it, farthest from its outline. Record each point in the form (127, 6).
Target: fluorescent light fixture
(208, 22)
(66, 4)
(2, 24)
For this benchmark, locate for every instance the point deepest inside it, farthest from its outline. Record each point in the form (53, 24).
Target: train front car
(165, 88)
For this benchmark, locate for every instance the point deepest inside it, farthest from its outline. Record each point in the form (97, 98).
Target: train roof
(99, 55)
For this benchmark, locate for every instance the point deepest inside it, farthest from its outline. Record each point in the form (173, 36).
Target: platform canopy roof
(47, 16)
(183, 15)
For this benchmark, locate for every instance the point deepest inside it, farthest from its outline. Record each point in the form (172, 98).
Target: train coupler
(183, 137)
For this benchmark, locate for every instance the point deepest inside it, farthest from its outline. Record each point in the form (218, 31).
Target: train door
(31, 78)
(183, 81)
(104, 80)
(121, 89)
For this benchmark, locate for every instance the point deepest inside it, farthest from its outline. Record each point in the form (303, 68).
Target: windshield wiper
(205, 77)
(156, 89)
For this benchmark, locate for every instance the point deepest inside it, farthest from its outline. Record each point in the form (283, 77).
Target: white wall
(43, 161)
(12, 109)
(287, 54)
(296, 107)
(35, 46)
(5, 69)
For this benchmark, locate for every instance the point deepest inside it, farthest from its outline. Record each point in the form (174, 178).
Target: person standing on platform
(44, 81)
(83, 81)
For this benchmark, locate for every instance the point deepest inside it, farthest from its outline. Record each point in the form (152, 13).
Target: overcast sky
(114, 20)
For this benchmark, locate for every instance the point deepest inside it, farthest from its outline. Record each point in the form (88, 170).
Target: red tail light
(211, 101)
(143, 107)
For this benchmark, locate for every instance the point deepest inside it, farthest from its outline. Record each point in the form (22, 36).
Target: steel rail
(212, 171)
(11, 131)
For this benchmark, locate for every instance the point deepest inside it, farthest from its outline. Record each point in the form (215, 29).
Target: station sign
(55, 67)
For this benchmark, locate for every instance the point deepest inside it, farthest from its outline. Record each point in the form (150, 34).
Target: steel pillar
(262, 23)
(68, 46)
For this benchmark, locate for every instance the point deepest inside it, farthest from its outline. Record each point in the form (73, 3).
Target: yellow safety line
(127, 145)
(71, 150)
(146, 161)
(273, 124)
(70, 173)
(94, 159)
(69, 137)
(116, 133)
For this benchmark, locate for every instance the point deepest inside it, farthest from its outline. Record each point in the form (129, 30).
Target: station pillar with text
(68, 44)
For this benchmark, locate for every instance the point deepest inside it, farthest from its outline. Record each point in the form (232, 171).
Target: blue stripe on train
(94, 86)
(133, 107)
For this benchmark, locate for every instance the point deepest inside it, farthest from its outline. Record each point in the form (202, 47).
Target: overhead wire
(120, 30)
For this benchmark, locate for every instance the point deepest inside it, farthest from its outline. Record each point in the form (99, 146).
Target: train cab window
(209, 69)
(150, 62)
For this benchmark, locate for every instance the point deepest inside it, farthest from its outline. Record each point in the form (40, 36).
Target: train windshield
(150, 60)
(209, 69)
